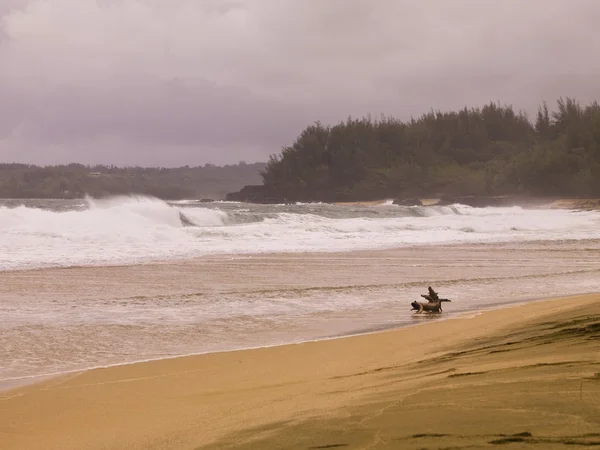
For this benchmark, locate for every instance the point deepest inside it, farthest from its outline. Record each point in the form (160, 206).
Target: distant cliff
(76, 181)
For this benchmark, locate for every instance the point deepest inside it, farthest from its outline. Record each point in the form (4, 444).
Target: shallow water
(62, 319)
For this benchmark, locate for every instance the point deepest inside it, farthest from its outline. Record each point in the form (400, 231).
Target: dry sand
(520, 375)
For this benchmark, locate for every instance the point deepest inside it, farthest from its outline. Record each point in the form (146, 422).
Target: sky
(189, 82)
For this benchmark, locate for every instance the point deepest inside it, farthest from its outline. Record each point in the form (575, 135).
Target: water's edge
(7, 386)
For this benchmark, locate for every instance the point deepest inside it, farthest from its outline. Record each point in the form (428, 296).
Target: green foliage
(491, 150)
(76, 180)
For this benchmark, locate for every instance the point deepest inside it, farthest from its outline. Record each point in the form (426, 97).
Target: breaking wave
(134, 229)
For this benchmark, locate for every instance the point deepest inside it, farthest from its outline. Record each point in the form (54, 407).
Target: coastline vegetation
(491, 150)
(77, 180)
(486, 151)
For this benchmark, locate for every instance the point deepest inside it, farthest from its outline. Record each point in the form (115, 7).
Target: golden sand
(520, 375)
(581, 203)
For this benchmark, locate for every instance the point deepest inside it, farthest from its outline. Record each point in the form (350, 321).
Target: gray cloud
(194, 81)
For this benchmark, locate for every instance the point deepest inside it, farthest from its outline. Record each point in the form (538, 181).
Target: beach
(526, 374)
(58, 320)
(208, 244)
(133, 322)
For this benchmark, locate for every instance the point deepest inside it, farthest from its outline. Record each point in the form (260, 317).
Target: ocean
(91, 283)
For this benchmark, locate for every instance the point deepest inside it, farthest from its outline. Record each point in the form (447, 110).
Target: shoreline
(10, 384)
(200, 400)
(583, 204)
(359, 292)
(523, 201)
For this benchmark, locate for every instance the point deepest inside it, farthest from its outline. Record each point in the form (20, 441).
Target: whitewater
(96, 282)
(135, 229)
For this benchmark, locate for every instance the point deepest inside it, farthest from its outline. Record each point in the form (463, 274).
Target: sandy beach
(122, 328)
(522, 374)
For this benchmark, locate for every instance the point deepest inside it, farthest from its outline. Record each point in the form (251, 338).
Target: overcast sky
(176, 82)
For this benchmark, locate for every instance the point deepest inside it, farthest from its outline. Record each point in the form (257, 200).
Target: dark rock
(408, 202)
(206, 200)
(446, 200)
(257, 194)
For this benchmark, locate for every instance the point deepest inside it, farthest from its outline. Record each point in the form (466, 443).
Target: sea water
(86, 283)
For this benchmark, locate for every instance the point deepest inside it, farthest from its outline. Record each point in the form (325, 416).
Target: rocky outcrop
(268, 194)
(258, 193)
(412, 201)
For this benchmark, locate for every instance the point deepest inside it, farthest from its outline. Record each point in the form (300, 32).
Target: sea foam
(134, 229)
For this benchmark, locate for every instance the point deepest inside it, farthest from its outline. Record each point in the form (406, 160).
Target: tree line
(489, 150)
(77, 180)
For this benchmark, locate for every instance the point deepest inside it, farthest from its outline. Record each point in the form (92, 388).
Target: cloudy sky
(176, 82)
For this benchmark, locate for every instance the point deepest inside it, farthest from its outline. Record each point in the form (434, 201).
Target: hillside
(76, 180)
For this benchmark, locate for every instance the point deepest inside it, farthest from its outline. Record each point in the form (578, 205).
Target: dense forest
(491, 150)
(76, 180)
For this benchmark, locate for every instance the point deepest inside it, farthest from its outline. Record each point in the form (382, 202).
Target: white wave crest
(112, 230)
(133, 229)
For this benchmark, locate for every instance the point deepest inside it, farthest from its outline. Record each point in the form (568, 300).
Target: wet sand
(575, 204)
(563, 203)
(524, 374)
